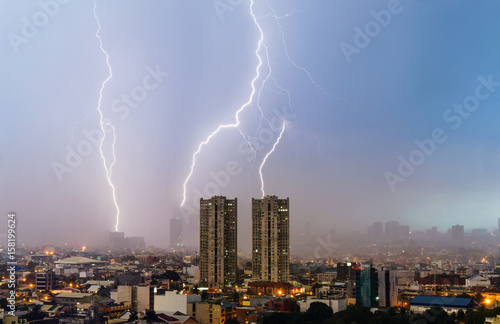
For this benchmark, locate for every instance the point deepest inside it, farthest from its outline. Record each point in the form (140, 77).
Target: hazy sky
(366, 82)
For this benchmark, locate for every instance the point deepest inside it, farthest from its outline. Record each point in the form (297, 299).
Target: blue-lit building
(367, 287)
(420, 304)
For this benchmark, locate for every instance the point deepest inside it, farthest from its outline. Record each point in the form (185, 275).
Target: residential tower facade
(271, 239)
(218, 242)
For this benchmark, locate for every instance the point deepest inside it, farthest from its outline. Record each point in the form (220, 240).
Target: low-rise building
(53, 310)
(249, 314)
(141, 297)
(337, 303)
(210, 313)
(45, 280)
(326, 276)
(270, 288)
(70, 299)
(175, 318)
(172, 301)
(77, 262)
(84, 304)
(116, 310)
(478, 281)
(491, 297)
(420, 304)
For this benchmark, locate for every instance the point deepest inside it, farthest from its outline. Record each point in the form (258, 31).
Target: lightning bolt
(104, 124)
(261, 47)
(245, 105)
(265, 159)
(297, 66)
(73, 130)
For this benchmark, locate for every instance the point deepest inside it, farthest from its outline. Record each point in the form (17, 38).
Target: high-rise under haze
(218, 242)
(457, 233)
(270, 239)
(175, 233)
(115, 241)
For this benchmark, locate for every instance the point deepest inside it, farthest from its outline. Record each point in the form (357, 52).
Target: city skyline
(370, 115)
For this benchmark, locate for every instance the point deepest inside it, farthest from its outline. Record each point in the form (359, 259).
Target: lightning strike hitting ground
(106, 124)
(245, 105)
(265, 159)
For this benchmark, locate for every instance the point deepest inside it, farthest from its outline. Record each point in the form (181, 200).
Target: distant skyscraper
(270, 239)
(115, 241)
(175, 233)
(218, 242)
(135, 243)
(396, 233)
(403, 232)
(391, 230)
(479, 235)
(432, 234)
(375, 233)
(457, 233)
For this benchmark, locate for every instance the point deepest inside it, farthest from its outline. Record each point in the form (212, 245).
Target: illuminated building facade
(45, 280)
(218, 242)
(270, 239)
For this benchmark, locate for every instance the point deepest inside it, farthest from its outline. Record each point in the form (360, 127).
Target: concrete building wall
(143, 297)
(173, 302)
(218, 242)
(202, 311)
(387, 288)
(270, 239)
(124, 294)
(336, 304)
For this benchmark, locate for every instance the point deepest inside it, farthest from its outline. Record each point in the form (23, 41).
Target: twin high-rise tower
(270, 239)
(218, 240)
